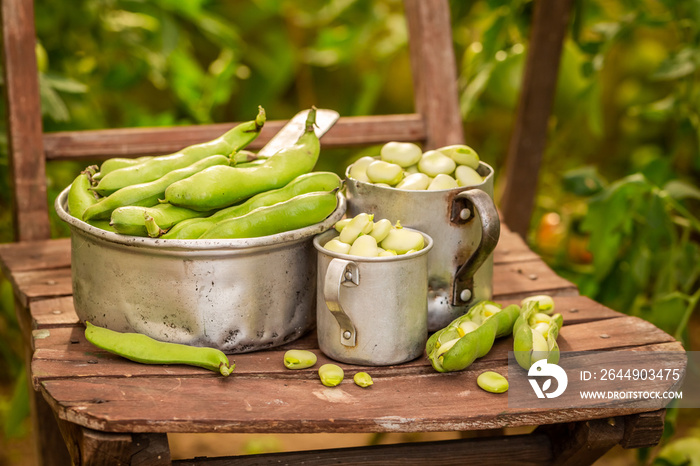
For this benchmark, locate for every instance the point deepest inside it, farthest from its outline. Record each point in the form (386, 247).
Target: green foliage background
(618, 192)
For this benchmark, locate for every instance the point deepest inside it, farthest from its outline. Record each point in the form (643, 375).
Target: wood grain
(527, 143)
(26, 152)
(434, 71)
(516, 449)
(133, 142)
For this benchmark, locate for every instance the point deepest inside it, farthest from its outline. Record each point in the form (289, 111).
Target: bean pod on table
(470, 336)
(535, 332)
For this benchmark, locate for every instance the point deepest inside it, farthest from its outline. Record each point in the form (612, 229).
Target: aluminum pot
(372, 310)
(464, 225)
(238, 295)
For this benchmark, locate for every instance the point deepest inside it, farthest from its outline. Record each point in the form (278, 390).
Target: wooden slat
(527, 143)
(132, 142)
(27, 165)
(511, 248)
(42, 284)
(434, 71)
(53, 312)
(34, 255)
(413, 403)
(521, 279)
(523, 450)
(64, 353)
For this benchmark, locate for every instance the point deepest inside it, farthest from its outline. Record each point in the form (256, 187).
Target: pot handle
(341, 273)
(462, 212)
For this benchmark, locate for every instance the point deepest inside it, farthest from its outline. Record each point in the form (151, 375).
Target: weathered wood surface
(133, 142)
(434, 71)
(21, 89)
(529, 137)
(522, 450)
(98, 390)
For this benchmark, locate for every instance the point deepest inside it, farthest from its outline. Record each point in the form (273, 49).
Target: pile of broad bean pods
(209, 190)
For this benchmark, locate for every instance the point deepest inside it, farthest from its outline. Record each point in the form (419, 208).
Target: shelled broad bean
(403, 165)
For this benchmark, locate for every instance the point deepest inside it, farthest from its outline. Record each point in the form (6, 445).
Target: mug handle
(341, 273)
(462, 212)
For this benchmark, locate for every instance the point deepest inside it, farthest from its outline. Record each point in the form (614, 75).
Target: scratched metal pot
(464, 225)
(238, 295)
(371, 310)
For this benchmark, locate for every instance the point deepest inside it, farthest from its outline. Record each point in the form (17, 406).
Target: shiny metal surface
(237, 295)
(457, 223)
(371, 311)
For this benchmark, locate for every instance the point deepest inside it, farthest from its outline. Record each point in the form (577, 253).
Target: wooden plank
(132, 142)
(521, 279)
(100, 448)
(34, 255)
(42, 284)
(413, 403)
(511, 248)
(53, 312)
(26, 152)
(64, 353)
(434, 71)
(644, 429)
(583, 443)
(516, 449)
(527, 143)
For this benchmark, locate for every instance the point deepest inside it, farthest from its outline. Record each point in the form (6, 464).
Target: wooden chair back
(436, 121)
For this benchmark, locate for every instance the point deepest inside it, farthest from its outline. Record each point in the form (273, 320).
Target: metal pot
(464, 225)
(238, 295)
(372, 310)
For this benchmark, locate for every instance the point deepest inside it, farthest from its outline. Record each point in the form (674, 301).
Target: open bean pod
(535, 334)
(470, 336)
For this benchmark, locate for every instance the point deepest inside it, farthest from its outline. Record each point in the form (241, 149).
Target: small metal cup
(371, 310)
(465, 226)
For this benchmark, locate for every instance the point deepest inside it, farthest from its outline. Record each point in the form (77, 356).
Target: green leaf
(680, 65)
(64, 84)
(679, 189)
(583, 181)
(17, 410)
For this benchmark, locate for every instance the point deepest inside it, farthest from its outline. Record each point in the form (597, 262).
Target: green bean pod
(302, 184)
(81, 197)
(535, 335)
(116, 163)
(470, 336)
(146, 350)
(154, 168)
(148, 194)
(298, 212)
(131, 220)
(216, 188)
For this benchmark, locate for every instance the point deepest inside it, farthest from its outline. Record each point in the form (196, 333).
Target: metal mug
(465, 226)
(371, 310)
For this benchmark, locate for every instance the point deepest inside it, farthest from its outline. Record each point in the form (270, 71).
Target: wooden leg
(48, 442)
(644, 429)
(91, 447)
(582, 443)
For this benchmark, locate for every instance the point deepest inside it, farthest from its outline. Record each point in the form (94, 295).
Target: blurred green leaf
(680, 65)
(583, 181)
(679, 189)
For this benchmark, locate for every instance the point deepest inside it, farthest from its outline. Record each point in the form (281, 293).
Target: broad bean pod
(131, 220)
(152, 169)
(81, 197)
(298, 212)
(216, 188)
(148, 194)
(470, 336)
(535, 334)
(146, 350)
(116, 163)
(302, 184)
